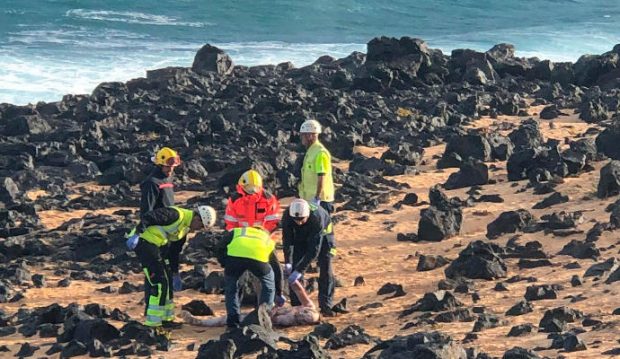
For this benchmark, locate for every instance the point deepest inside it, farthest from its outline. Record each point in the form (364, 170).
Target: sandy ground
(370, 249)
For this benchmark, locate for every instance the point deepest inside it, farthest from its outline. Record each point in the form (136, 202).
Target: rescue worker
(317, 184)
(157, 191)
(249, 249)
(157, 229)
(307, 233)
(253, 206)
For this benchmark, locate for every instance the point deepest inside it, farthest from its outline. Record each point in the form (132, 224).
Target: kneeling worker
(307, 233)
(156, 229)
(250, 248)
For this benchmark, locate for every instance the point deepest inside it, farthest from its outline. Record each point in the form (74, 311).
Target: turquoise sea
(52, 47)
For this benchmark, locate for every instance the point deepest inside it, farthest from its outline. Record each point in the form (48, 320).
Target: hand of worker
(316, 201)
(132, 242)
(288, 268)
(294, 277)
(280, 300)
(177, 283)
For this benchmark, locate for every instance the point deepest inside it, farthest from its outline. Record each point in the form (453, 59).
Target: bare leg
(305, 314)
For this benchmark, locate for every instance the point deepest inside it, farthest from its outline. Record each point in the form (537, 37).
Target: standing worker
(317, 184)
(249, 249)
(155, 231)
(253, 206)
(157, 191)
(307, 233)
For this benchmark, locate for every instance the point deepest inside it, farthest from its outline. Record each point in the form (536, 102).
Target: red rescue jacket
(252, 210)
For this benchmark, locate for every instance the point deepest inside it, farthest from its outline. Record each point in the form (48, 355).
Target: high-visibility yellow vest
(252, 243)
(309, 177)
(161, 235)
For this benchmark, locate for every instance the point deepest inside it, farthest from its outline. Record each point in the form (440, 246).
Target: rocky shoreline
(224, 119)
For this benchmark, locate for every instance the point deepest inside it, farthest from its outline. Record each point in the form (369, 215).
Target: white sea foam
(118, 56)
(131, 17)
(47, 78)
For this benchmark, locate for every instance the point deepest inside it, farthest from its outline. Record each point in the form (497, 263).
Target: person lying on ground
(305, 314)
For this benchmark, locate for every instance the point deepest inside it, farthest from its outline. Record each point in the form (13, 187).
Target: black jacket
(303, 243)
(157, 191)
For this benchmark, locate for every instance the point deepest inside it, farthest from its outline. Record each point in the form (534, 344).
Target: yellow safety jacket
(317, 160)
(250, 242)
(161, 235)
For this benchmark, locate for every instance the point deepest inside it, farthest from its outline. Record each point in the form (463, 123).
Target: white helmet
(310, 126)
(207, 215)
(299, 208)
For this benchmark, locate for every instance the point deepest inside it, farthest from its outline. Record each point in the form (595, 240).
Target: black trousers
(169, 257)
(156, 271)
(326, 274)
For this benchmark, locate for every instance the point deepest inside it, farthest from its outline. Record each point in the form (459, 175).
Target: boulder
(73, 349)
(555, 320)
(487, 321)
(429, 262)
(580, 250)
(522, 307)
(434, 302)
(436, 225)
(527, 136)
(351, 335)
(606, 141)
(441, 220)
(210, 59)
(479, 260)
(520, 353)
(471, 173)
(521, 330)
(198, 307)
(551, 112)
(540, 292)
(9, 192)
(570, 342)
(501, 146)
(87, 330)
(551, 200)
(509, 222)
(27, 350)
(593, 111)
(435, 345)
(251, 339)
(308, 347)
(609, 180)
(472, 145)
(613, 277)
(599, 269)
(27, 125)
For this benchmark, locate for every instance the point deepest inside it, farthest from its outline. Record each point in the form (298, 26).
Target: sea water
(49, 48)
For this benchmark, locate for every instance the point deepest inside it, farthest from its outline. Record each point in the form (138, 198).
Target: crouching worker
(307, 234)
(305, 314)
(155, 231)
(251, 249)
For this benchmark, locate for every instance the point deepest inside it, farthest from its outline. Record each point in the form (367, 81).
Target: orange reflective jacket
(260, 209)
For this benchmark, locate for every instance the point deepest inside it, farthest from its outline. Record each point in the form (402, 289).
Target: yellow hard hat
(251, 181)
(167, 157)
